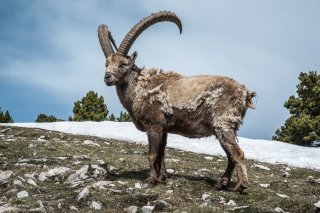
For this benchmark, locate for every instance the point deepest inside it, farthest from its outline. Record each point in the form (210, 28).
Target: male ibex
(166, 102)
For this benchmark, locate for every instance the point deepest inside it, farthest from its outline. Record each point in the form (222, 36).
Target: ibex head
(119, 64)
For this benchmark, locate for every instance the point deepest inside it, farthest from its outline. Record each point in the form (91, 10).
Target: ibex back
(167, 102)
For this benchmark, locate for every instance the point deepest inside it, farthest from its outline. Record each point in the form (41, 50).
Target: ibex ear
(133, 56)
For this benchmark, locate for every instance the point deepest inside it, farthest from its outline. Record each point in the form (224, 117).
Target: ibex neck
(126, 91)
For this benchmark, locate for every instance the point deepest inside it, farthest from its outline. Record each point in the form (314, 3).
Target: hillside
(48, 171)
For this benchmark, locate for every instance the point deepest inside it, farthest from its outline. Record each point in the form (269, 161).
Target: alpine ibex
(167, 102)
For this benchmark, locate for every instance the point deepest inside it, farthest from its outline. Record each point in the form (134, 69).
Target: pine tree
(6, 117)
(124, 117)
(112, 117)
(46, 118)
(90, 108)
(303, 126)
(1, 116)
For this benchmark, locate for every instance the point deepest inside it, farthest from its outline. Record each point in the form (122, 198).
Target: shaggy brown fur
(166, 102)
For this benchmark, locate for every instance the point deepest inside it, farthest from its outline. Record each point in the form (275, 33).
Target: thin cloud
(53, 46)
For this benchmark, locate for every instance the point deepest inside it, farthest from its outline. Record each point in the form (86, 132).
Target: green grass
(131, 166)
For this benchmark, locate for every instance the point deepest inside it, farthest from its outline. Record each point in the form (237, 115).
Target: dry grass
(188, 184)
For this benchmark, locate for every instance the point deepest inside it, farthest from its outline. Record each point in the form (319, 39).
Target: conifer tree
(303, 126)
(124, 117)
(112, 117)
(5, 117)
(46, 118)
(1, 116)
(90, 108)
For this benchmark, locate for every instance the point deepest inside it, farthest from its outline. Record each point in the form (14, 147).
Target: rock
(208, 158)
(98, 171)
(147, 209)
(32, 145)
(40, 209)
(205, 197)
(267, 185)
(101, 162)
(282, 195)
(204, 170)
(203, 205)
(82, 157)
(61, 158)
(101, 184)
(41, 138)
(169, 191)
(90, 143)
(122, 182)
(317, 204)
(83, 194)
(137, 186)
(22, 194)
(162, 203)
(131, 209)
(73, 208)
(8, 208)
(85, 172)
(285, 174)
(288, 169)
(262, 167)
(174, 160)
(311, 179)
(222, 200)
(231, 203)
(31, 182)
(239, 207)
(4, 176)
(111, 168)
(116, 191)
(279, 210)
(5, 130)
(170, 171)
(58, 171)
(80, 174)
(39, 202)
(95, 205)
(17, 182)
(29, 176)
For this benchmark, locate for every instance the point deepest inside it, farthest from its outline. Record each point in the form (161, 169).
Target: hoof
(151, 181)
(163, 177)
(240, 187)
(222, 184)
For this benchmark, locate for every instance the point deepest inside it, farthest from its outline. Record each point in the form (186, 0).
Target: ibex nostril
(107, 77)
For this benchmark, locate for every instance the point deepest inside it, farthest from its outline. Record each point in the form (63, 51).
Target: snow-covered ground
(260, 150)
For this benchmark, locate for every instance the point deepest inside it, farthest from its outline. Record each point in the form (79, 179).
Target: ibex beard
(167, 102)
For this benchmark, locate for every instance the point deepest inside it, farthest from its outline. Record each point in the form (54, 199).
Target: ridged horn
(137, 29)
(104, 38)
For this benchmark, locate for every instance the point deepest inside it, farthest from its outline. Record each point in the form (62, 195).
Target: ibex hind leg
(226, 177)
(227, 139)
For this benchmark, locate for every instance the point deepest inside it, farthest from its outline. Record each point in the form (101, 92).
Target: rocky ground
(46, 171)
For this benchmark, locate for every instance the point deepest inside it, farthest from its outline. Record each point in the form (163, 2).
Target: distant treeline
(90, 108)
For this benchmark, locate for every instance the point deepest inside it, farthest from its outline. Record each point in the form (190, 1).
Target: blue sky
(50, 54)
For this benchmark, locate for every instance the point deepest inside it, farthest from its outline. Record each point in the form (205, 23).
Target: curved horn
(104, 38)
(137, 29)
